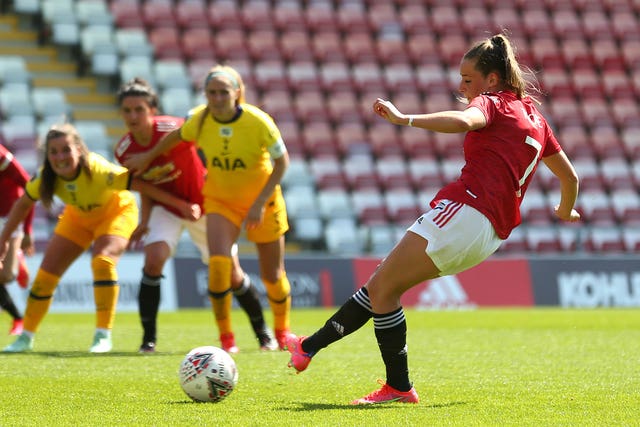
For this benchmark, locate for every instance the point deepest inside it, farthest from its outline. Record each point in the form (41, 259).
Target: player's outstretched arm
(562, 168)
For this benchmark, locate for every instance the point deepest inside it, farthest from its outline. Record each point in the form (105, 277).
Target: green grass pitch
(506, 367)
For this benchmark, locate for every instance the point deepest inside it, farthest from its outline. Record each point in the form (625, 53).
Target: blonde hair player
(180, 172)
(505, 138)
(246, 159)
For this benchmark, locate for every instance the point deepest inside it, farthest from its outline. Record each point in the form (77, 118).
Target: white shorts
(165, 226)
(459, 236)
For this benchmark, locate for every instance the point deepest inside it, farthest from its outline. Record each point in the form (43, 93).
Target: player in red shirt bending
(181, 173)
(505, 138)
(13, 178)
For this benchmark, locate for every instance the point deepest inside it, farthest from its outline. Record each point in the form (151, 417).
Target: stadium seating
(316, 66)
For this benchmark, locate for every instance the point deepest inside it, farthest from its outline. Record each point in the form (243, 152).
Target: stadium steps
(50, 68)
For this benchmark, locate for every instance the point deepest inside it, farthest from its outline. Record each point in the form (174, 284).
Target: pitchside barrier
(318, 281)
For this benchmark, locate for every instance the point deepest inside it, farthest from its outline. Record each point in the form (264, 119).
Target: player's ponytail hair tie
(222, 73)
(498, 40)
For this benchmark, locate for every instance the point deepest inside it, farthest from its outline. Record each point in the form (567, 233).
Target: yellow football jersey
(87, 194)
(237, 157)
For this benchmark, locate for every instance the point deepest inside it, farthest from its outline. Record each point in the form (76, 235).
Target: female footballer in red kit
(505, 138)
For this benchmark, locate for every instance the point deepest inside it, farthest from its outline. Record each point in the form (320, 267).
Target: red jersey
(500, 159)
(179, 172)
(13, 178)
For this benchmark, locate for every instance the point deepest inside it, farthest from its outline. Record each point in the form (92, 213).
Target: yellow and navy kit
(236, 153)
(88, 195)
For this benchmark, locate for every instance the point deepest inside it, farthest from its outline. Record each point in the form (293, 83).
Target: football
(208, 374)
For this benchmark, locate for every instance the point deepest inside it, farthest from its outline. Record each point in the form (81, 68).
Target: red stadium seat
(431, 78)
(630, 50)
(278, 104)
(616, 174)
(546, 52)
(198, 43)
(444, 19)
(309, 105)
(616, 85)
(596, 25)
(475, 21)
(448, 145)
(451, 168)
(381, 15)
(516, 243)
(542, 239)
(321, 17)
(417, 143)
(302, 75)
(156, 13)
(506, 17)
(399, 78)
(335, 76)
(566, 24)
(631, 139)
(536, 21)
(343, 107)
(295, 45)
(451, 48)
(393, 173)
(577, 54)
(595, 110)
(595, 207)
(270, 74)
(223, 14)
(587, 84)
(425, 173)
(392, 51)
(384, 140)
(589, 174)
(557, 83)
(414, 20)
(359, 47)
(292, 137)
(351, 137)
(126, 14)
(409, 102)
(328, 173)
(263, 45)
(631, 239)
(624, 26)
(369, 207)
(626, 205)
(191, 14)
(625, 111)
(289, 16)
(604, 240)
(327, 47)
(256, 15)
(402, 206)
(606, 142)
(166, 42)
(360, 173)
(319, 140)
(575, 141)
(352, 18)
(535, 209)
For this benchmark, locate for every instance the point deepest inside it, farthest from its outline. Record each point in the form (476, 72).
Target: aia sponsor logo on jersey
(228, 164)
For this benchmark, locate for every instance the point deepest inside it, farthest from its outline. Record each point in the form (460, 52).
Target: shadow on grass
(86, 354)
(307, 406)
